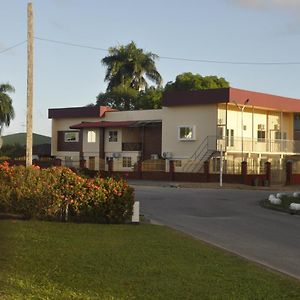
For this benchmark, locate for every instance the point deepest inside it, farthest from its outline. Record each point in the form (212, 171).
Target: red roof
(102, 124)
(104, 109)
(231, 95)
(264, 100)
(78, 112)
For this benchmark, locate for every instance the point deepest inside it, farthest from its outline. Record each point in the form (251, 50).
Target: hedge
(59, 193)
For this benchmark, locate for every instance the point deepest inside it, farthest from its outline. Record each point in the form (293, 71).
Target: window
(261, 133)
(229, 137)
(278, 135)
(71, 137)
(113, 136)
(91, 136)
(220, 132)
(178, 163)
(126, 162)
(186, 133)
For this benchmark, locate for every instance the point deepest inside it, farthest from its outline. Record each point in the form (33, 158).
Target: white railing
(260, 145)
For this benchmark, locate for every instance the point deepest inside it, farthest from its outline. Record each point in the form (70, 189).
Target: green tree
(130, 99)
(129, 66)
(121, 98)
(151, 98)
(193, 82)
(13, 151)
(6, 108)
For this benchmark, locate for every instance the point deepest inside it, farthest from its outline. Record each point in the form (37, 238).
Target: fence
(156, 170)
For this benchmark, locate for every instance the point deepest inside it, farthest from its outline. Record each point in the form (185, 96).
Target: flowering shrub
(60, 193)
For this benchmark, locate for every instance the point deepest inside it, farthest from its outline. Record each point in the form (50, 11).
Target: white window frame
(91, 136)
(126, 160)
(109, 136)
(76, 140)
(193, 129)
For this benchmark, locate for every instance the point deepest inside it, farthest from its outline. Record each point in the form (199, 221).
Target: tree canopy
(193, 82)
(129, 67)
(6, 108)
(131, 99)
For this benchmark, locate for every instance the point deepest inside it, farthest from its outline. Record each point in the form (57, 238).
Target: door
(92, 162)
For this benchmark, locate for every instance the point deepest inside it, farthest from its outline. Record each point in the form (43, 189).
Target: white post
(221, 167)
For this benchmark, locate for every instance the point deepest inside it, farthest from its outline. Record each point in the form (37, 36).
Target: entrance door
(92, 162)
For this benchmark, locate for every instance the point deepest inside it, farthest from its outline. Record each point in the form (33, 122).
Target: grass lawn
(48, 260)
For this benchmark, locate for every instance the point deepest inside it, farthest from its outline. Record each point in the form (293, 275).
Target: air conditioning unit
(154, 156)
(167, 155)
(116, 155)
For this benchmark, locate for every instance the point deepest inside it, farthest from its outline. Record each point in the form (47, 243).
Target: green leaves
(193, 82)
(127, 66)
(6, 108)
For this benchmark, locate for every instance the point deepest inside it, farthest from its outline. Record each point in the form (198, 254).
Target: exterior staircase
(205, 151)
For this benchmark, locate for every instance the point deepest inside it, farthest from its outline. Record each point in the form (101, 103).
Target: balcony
(131, 146)
(259, 145)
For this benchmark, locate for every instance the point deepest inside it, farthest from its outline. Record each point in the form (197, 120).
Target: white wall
(203, 117)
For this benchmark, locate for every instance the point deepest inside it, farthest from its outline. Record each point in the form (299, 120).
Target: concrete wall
(202, 117)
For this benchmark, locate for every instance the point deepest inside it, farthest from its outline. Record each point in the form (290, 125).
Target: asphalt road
(231, 219)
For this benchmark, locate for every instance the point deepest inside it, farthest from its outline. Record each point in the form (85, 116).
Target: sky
(254, 31)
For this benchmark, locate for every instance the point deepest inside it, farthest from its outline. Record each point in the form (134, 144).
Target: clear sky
(222, 30)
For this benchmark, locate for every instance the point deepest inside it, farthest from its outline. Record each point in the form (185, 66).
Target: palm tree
(6, 109)
(127, 65)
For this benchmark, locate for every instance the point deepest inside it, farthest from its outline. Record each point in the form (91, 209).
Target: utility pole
(29, 84)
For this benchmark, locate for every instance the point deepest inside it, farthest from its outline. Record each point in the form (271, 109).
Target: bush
(59, 193)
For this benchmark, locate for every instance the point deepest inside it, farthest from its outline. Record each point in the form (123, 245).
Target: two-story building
(191, 127)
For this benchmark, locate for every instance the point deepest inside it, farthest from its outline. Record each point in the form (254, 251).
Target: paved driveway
(231, 219)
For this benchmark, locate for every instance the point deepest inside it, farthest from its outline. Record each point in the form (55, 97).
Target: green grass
(48, 260)
(284, 206)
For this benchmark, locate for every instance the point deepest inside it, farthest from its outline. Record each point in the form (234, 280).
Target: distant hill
(20, 138)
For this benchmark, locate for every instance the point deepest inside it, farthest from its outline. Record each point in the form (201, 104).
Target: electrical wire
(70, 44)
(12, 47)
(269, 63)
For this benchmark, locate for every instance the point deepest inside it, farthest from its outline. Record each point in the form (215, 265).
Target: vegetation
(285, 204)
(50, 260)
(12, 151)
(20, 138)
(6, 108)
(58, 193)
(130, 99)
(193, 82)
(127, 66)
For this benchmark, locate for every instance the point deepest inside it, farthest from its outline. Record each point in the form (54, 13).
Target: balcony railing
(131, 146)
(259, 145)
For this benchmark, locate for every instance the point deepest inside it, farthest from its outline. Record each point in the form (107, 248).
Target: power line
(270, 63)
(180, 58)
(231, 62)
(12, 47)
(70, 44)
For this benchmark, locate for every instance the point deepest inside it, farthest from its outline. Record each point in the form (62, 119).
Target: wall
(64, 125)
(203, 117)
(137, 115)
(252, 117)
(92, 148)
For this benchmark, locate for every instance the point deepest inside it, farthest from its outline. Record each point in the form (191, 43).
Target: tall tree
(193, 82)
(129, 67)
(6, 108)
(121, 98)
